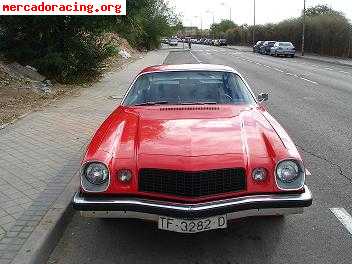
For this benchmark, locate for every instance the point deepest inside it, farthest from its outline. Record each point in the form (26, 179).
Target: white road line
(291, 74)
(198, 60)
(344, 217)
(329, 69)
(307, 80)
(344, 72)
(277, 69)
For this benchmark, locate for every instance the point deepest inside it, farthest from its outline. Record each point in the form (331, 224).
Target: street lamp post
(304, 26)
(201, 23)
(213, 13)
(226, 5)
(254, 24)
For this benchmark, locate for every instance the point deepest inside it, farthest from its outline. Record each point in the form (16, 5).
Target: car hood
(187, 132)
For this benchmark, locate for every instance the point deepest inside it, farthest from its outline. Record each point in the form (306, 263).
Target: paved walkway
(40, 153)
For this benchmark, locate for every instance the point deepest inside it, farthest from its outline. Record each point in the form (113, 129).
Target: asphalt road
(313, 101)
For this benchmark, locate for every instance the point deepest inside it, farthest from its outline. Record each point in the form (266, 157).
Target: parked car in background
(257, 46)
(208, 42)
(222, 42)
(283, 49)
(164, 41)
(216, 42)
(173, 42)
(191, 148)
(267, 45)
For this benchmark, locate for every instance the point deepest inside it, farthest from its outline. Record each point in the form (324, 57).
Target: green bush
(70, 49)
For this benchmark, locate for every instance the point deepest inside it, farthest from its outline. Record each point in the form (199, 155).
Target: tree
(69, 48)
(219, 30)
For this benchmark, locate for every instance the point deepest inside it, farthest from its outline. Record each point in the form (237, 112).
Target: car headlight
(96, 173)
(290, 175)
(95, 177)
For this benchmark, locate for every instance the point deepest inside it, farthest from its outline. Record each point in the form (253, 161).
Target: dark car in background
(222, 42)
(266, 47)
(208, 42)
(286, 49)
(257, 46)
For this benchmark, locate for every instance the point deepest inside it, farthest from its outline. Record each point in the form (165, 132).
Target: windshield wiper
(200, 103)
(152, 103)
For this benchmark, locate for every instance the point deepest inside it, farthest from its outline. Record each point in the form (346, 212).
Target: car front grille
(192, 184)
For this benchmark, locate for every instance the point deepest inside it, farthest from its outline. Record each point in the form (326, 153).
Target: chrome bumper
(121, 207)
(286, 52)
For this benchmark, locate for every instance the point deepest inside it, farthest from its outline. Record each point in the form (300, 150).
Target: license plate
(192, 226)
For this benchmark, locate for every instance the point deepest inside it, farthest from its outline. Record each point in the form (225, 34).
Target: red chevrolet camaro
(191, 147)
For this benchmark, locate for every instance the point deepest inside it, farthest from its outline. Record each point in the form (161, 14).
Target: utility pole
(254, 25)
(212, 13)
(304, 26)
(226, 5)
(201, 23)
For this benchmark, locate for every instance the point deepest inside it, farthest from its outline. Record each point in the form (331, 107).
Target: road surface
(313, 101)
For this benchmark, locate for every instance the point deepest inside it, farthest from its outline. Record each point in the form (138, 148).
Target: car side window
(141, 87)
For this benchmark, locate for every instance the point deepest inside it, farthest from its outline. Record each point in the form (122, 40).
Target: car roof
(188, 67)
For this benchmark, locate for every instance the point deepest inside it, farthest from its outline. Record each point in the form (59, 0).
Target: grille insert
(192, 184)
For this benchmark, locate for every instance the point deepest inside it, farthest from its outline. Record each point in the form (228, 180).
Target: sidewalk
(40, 153)
(338, 61)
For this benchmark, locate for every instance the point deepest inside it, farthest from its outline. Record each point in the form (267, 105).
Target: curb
(44, 238)
(322, 60)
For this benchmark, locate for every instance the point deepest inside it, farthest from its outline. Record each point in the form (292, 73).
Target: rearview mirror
(263, 97)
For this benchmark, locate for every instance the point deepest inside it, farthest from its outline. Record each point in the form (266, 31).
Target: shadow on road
(125, 241)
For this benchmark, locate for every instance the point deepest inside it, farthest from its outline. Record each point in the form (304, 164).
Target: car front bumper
(285, 52)
(255, 205)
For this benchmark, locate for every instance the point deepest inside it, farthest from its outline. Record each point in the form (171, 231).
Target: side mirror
(263, 97)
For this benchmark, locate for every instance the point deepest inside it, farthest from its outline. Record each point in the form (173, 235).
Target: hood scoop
(191, 108)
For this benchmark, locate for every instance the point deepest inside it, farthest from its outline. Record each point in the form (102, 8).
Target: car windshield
(286, 44)
(189, 87)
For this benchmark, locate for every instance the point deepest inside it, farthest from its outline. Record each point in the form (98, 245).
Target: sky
(199, 12)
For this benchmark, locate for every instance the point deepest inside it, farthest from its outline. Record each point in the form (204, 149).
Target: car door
(274, 48)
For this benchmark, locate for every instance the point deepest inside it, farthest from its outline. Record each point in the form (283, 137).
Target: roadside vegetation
(72, 49)
(328, 32)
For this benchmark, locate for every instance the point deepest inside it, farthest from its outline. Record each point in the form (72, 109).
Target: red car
(191, 147)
